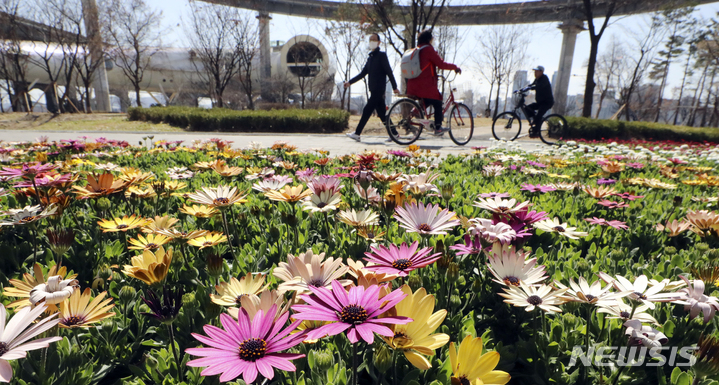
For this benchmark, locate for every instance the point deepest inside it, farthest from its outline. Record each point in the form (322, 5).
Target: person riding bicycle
(544, 100)
(424, 86)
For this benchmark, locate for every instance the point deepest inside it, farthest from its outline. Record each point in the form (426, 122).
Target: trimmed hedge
(598, 129)
(220, 119)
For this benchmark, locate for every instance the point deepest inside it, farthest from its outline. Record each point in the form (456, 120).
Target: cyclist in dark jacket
(378, 69)
(544, 98)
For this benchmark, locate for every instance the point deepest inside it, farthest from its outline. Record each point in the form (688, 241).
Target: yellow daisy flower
(199, 211)
(153, 241)
(289, 194)
(78, 312)
(231, 293)
(416, 339)
(158, 223)
(470, 366)
(150, 267)
(208, 240)
(122, 224)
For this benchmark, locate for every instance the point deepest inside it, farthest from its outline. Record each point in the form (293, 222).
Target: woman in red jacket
(424, 86)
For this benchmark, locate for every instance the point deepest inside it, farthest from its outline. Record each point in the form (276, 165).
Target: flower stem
(394, 367)
(354, 363)
(589, 324)
(227, 232)
(33, 233)
(174, 352)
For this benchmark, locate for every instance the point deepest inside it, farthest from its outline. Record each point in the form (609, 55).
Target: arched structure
(569, 13)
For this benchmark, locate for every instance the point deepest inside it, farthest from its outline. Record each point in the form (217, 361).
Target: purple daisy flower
(355, 311)
(628, 196)
(606, 181)
(536, 164)
(399, 260)
(619, 225)
(247, 347)
(636, 166)
(537, 188)
(612, 205)
(399, 153)
(471, 246)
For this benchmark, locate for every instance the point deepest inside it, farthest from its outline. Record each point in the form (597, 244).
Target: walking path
(335, 144)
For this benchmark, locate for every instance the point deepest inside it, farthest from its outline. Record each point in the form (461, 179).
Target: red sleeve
(437, 61)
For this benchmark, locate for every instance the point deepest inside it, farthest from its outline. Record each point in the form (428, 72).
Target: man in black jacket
(378, 69)
(544, 100)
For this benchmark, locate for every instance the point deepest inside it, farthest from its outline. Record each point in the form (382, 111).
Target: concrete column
(265, 55)
(92, 31)
(570, 29)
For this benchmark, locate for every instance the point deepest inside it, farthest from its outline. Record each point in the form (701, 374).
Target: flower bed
(602, 129)
(206, 264)
(226, 120)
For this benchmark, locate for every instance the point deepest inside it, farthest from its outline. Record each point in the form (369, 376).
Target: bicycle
(553, 128)
(410, 115)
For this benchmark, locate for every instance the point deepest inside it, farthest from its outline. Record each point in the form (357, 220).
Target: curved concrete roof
(507, 13)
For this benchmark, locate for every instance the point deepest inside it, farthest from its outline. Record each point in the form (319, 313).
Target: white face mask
(373, 45)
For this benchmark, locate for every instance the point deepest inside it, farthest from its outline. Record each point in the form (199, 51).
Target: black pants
(375, 103)
(438, 115)
(540, 110)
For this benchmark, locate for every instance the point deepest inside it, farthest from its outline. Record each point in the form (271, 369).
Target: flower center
(321, 205)
(152, 245)
(511, 281)
(640, 295)
(4, 348)
(207, 243)
(122, 226)
(73, 320)
(424, 227)
(221, 201)
(239, 297)
(353, 314)
(252, 349)
(316, 282)
(402, 264)
(625, 314)
(558, 229)
(28, 219)
(590, 297)
(464, 381)
(502, 209)
(534, 300)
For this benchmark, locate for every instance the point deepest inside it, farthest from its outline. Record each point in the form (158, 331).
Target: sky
(544, 49)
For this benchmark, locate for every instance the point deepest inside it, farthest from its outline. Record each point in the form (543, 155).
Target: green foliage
(598, 129)
(226, 120)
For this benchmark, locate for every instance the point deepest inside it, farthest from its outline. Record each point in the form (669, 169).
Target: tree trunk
(496, 101)
(589, 84)
(599, 107)
(706, 103)
(698, 95)
(681, 89)
(137, 96)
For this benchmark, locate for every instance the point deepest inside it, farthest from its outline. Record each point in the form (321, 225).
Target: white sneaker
(388, 140)
(353, 136)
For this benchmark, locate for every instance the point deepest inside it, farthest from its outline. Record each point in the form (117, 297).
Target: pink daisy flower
(28, 170)
(628, 196)
(494, 195)
(619, 225)
(246, 348)
(320, 184)
(399, 260)
(355, 311)
(537, 188)
(425, 220)
(611, 204)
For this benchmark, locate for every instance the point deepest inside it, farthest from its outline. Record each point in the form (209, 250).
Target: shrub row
(598, 129)
(219, 119)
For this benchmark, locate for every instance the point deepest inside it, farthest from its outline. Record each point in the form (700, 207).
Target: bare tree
(133, 28)
(212, 33)
(646, 47)
(678, 23)
(345, 37)
(13, 62)
(401, 26)
(503, 51)
(595, 34)
(448, 40)
(247, 47)
(282, 86)
(610, 65)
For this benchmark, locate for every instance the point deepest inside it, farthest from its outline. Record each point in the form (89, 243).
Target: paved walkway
(336, 144)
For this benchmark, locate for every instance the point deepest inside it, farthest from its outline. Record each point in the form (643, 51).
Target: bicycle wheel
(553, 129)
(506, 126)
(461, 124)
(402, 125)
